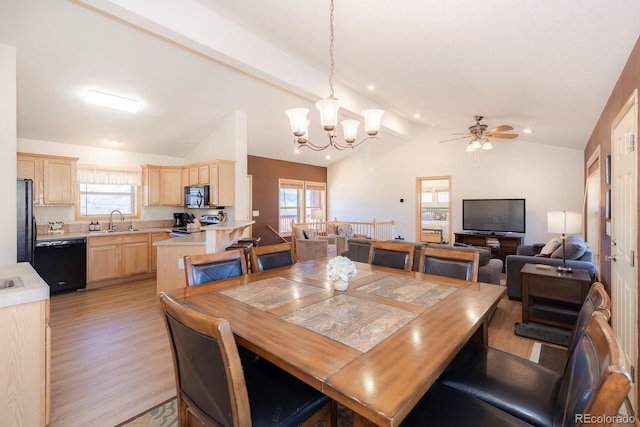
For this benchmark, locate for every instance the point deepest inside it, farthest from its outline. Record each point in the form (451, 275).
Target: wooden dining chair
(214, 266)
(212, 389)
(594, 386)
(449, 263)
(271, 256)
(392, 254)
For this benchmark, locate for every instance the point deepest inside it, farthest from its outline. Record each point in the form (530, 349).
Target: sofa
(579, 257)
(489, 270)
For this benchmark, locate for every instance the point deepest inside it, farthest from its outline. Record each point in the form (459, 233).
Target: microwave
(196, 196)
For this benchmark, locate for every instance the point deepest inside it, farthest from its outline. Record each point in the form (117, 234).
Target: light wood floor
(111, 358)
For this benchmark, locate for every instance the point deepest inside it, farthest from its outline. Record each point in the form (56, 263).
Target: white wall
(371, 183)
(8, 213)
(229, 142)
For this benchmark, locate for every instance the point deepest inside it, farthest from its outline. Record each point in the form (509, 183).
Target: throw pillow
(575, 248)
(311, 234)
(345, 230)
(550, 247)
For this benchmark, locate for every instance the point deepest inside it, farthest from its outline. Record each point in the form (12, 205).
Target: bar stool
(246, 248)
(254, 240)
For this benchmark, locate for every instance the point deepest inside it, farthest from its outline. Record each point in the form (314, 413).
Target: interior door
(433, 209)
(624, 231)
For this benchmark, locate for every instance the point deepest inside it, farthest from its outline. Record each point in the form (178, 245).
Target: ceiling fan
(480, 135)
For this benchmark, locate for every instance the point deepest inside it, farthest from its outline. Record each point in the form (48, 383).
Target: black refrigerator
(26, 221)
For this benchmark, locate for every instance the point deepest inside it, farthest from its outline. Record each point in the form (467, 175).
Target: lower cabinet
(25, 358)
(153, 250)
(113, 257)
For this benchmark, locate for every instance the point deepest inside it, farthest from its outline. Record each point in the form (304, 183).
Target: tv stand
(501, 245)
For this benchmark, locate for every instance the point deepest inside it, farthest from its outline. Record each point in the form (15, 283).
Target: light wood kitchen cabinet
(153, 250)
(196, 174)
(113, 257)
(222, 180)
(54, 178)
(25, 360)
(162, 186)
(171, 192)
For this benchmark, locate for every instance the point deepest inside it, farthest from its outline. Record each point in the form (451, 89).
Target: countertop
(75, 235)
(35, 289)
(201, 238)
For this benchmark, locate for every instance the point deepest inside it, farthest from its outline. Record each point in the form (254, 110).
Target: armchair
(308, 245)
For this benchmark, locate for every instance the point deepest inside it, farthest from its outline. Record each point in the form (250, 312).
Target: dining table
(375, 348)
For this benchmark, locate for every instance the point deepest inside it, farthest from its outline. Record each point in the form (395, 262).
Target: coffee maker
(181, 219)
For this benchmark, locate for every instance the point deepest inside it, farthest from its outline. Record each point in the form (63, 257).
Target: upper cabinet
(222, 183)
(162, 186)
(54, 178)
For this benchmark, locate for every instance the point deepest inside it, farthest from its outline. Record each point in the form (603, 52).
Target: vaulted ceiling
(544, 65)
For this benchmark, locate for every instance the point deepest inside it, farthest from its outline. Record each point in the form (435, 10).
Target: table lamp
(316, 214)
(564, 223)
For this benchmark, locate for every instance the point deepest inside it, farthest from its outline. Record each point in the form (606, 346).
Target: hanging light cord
(331, 61)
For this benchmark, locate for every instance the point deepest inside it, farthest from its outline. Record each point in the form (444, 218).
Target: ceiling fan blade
(503, 135)
(454, 139)
(502, 128)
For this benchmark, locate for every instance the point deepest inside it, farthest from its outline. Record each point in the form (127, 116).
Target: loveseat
(579, 257)
(489, 271)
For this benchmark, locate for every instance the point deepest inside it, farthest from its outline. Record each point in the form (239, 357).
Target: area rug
(543, 333)
(165, 415)
(551, 357)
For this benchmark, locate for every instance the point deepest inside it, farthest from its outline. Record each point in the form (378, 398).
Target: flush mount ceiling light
(329, 115)
(112, 101)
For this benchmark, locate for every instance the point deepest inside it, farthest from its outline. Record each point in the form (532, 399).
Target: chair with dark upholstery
(271, 256)
(214, 266)
(392, 254)
(595, 384)
(516, 385)
(448, 263)
(212, 389)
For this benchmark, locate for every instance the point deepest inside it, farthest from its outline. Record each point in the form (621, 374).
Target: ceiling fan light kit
(328, 109)
(480, 135)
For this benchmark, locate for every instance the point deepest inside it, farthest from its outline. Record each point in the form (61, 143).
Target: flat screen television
(494, 215)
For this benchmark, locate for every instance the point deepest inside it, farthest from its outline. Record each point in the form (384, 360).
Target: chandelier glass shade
(329, 109)
(479, 143)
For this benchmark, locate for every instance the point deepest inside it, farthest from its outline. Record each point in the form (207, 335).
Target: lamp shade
(372, 118)
(316, 213)
(350, 130)
(328, 113)
(561, 222)
(298, 120)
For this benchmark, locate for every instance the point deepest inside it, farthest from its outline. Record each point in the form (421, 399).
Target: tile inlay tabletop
(270, 293)
(417, 292)
(358, 323)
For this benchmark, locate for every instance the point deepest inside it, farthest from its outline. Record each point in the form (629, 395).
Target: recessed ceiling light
(527, 131)
(328, 157)
(113, 142)
(371, 87)
(416, 116)
(112, 101)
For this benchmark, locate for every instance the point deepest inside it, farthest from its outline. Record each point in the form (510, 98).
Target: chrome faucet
(111, 218)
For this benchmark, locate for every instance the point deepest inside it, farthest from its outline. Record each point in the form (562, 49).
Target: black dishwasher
(62, 263)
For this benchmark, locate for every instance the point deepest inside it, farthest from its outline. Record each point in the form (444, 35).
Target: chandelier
(329, 115)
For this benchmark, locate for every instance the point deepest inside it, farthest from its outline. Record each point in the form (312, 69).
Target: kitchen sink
(11, 282)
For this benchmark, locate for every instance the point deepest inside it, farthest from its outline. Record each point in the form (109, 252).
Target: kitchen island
(26, 339)
(212, 238)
